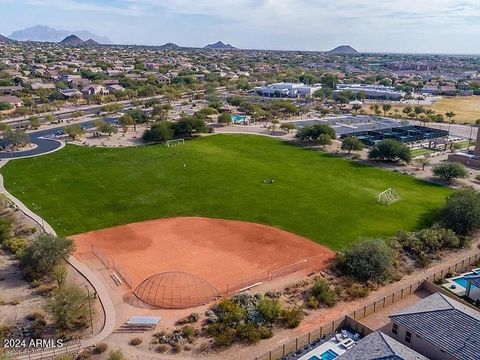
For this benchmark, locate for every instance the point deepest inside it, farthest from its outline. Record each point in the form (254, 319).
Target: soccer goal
(170, 143)
(388, 196)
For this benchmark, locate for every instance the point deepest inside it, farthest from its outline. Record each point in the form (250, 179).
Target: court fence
(352, 320)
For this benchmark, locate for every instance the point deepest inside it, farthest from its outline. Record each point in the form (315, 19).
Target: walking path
(101, 291)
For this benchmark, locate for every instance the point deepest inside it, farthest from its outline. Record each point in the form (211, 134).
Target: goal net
(170, 143)
(388, 196)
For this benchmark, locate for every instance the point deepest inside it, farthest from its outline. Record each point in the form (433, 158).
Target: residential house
(115, 88)
(439, 328)
(12, 100)
(378, 346)
(164, 79)
(38, 86)
(6, 90)
(95, 89)
(70, 93)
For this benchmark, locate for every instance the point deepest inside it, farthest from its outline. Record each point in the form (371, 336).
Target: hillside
(170, 46)
(5, 40)
(343, 49)
(91, 42)
(72, 40)
(220, 46)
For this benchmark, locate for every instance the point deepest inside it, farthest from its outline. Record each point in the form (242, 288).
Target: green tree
(106, 128)
(34, 122)
(367, 259)
(461, 213)
(450, 170)
(312, 132)
(68, 307)
(126, 121)
(159, 132)
(224, 119)
(74, 131)
(43, 254)
(386, 108)
(390, 150)
(16, 137)
(352, 143)
(450, 115)
(324, 140)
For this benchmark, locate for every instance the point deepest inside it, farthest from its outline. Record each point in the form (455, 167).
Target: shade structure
(176, 290)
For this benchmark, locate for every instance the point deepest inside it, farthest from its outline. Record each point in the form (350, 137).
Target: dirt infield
(220, 251)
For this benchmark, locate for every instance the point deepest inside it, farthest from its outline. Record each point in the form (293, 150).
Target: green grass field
(327, 199)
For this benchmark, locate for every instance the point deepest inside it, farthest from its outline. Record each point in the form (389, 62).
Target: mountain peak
(219, 45)
(343, 49)
(72, 40)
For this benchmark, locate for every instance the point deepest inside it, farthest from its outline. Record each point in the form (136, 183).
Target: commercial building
(287, 90)
(377, 92)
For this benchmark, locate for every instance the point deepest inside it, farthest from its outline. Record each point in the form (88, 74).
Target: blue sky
(425, 26)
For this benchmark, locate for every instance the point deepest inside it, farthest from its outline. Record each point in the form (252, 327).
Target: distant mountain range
(220, 46)
(343, 49)
(47, 34)
(74, 40)
(5, 40)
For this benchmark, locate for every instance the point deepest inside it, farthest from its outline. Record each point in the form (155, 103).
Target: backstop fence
(112, 264)
(123, 274)
(101, 256)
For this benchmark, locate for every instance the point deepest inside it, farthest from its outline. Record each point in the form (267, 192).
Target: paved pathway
(102, 293)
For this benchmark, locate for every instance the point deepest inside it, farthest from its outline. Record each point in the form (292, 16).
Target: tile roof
(446, 323)
(376, 346)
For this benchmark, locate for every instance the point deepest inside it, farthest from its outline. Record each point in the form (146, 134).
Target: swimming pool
(238, 119)
(327, 355)
(463, 282)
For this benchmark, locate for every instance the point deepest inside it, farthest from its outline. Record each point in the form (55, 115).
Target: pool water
(463, 282)
(238, 119)
(327, 355)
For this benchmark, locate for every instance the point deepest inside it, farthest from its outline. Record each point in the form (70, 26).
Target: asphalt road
(46, 141)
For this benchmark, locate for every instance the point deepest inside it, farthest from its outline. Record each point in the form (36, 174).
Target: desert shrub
(322, 291)
(136, 341)
(84, 355)
(292, 317)
(116, 355)
(68, 308)
(45, 289)
(16, 245)
(265, 332)
(367, 259)
(429, 241)
(229, 312)
(6, 225)
(248, 333)
(177, 347)
(270, 309)
(356, 291)
(161, 348)
(100, 348)
(313, 303)
(224, 338)
(190, 319)
(35, 316)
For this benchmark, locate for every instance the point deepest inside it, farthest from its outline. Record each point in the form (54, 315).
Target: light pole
(89, 307)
